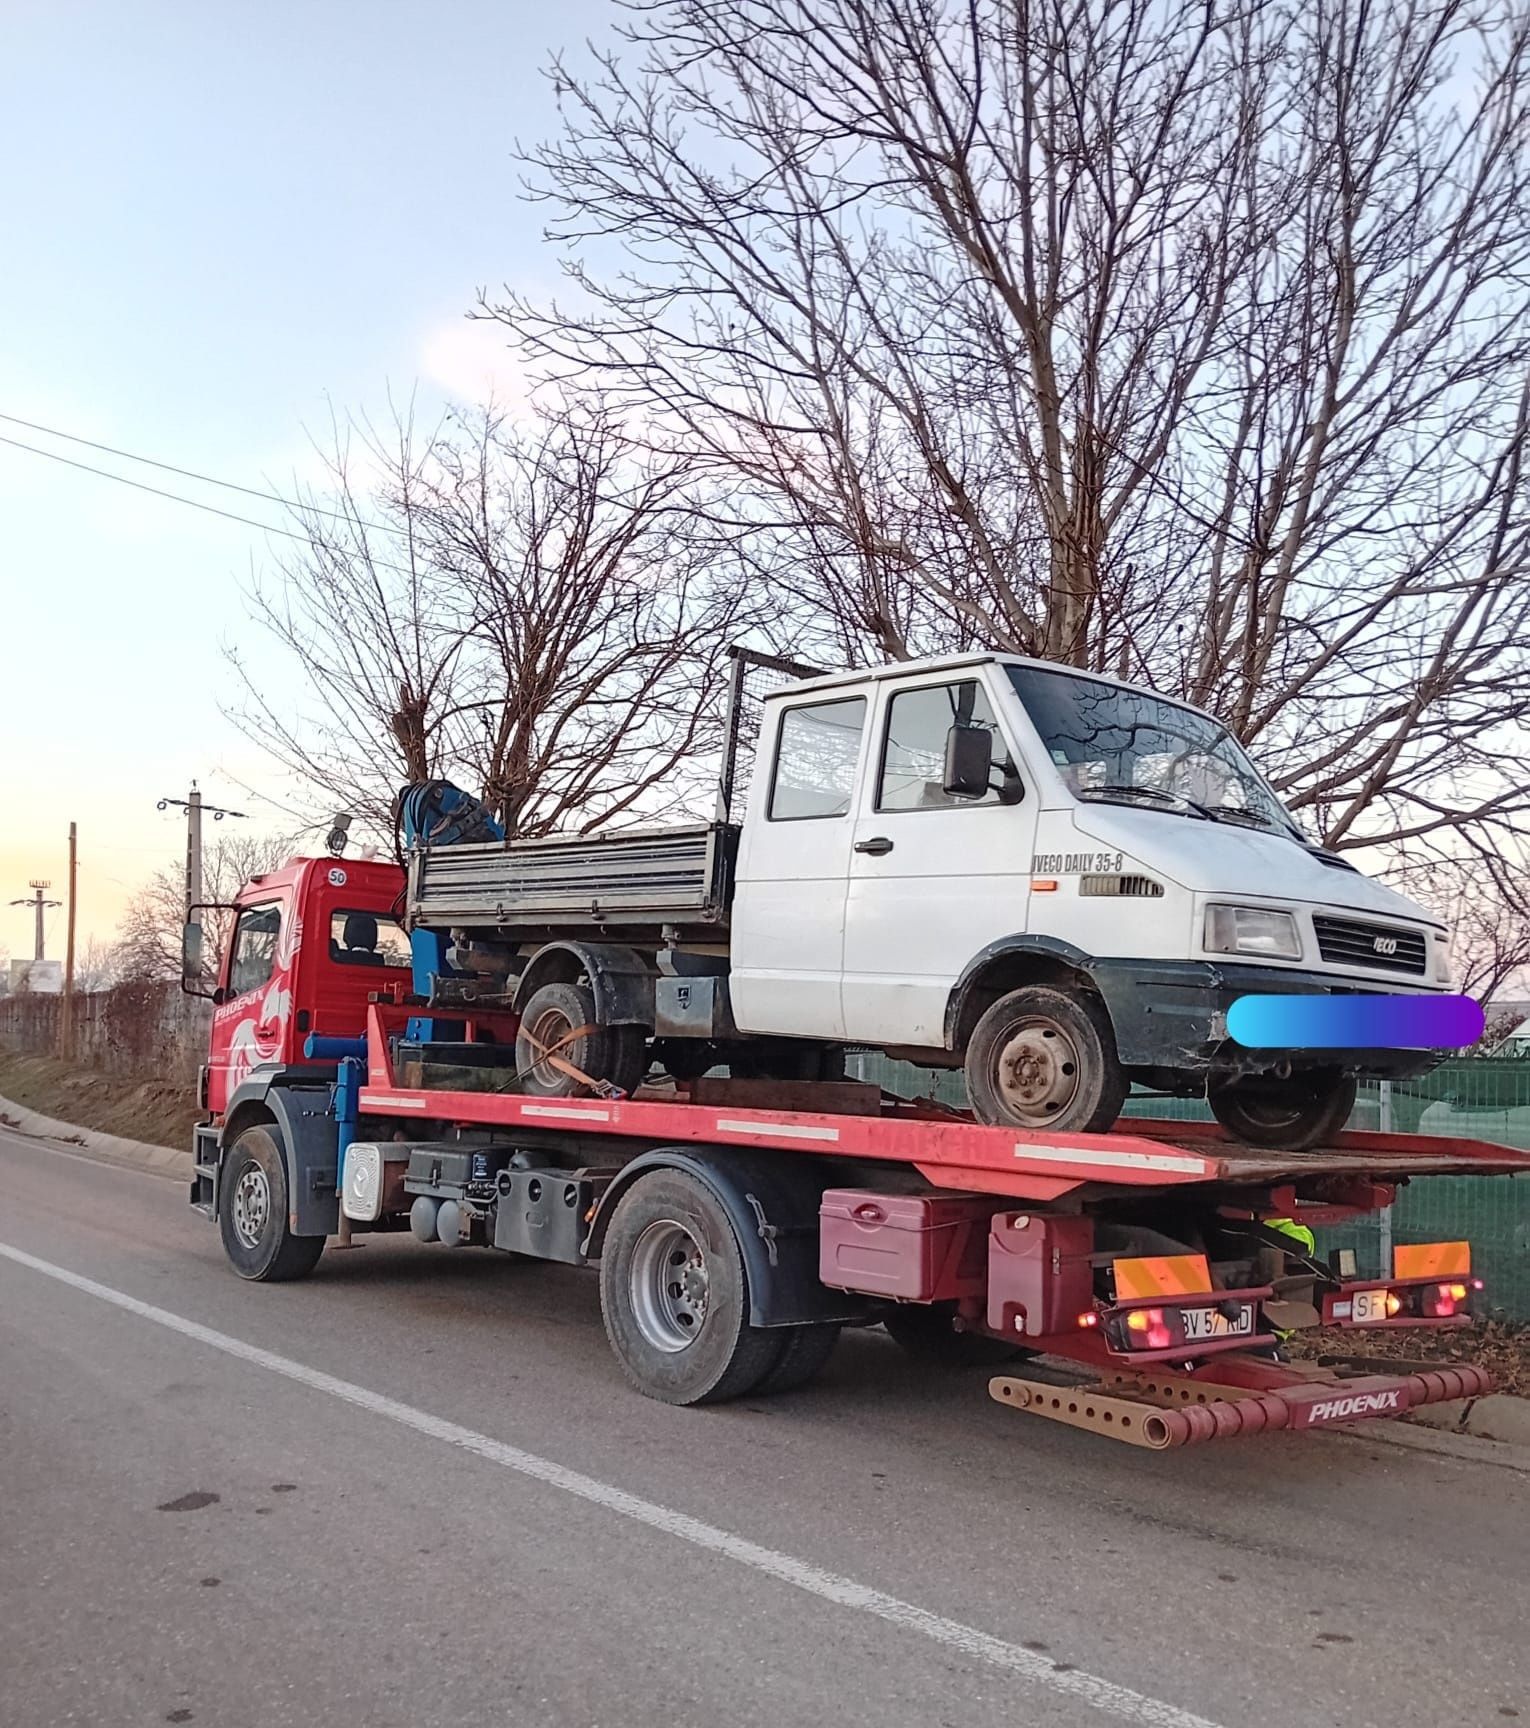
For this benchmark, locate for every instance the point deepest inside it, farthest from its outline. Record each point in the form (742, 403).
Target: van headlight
(1439, 949)
(1252, 930)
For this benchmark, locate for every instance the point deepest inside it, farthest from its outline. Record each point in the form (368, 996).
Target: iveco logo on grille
(1385, 944)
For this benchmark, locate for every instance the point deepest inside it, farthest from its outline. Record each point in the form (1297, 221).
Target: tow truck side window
(253, 956)
(815, 760)
(366, 939)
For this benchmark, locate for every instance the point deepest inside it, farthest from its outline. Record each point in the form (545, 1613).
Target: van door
(788, 930)
(934, 878)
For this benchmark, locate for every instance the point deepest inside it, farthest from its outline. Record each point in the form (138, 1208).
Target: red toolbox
(918, 1247)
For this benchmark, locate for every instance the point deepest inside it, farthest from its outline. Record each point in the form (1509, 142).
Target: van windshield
(1124, 746)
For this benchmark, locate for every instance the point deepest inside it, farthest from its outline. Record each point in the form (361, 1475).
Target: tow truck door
(933, 878)
(252, 1016)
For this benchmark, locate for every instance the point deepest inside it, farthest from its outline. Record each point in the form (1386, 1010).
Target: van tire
(1045, 1058)
(1291, 1115)
(615, 1054)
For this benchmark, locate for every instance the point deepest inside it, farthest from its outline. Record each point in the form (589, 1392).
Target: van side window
(815, 760)
(914, 751)
(254, 948)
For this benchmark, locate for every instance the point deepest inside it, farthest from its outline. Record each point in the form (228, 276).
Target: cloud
(472, 361)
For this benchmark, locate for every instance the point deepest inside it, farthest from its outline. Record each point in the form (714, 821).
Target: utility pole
(195, 809)
(39, 905)
(66, 1019)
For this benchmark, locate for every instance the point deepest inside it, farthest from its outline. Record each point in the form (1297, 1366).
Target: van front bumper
(1172, 1014)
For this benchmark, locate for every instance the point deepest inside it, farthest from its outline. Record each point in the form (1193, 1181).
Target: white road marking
(1091, 1689)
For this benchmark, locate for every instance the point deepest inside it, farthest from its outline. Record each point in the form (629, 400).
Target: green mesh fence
(1484, 1099)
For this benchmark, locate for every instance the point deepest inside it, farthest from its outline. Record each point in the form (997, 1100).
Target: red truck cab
(309, 944)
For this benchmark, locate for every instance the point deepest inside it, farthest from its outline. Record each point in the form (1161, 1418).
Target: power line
(193, 503)
(206, 479)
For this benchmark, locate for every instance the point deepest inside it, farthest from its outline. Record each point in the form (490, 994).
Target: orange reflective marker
(1162, 1275)
(1043, 885)
(1432, 1260)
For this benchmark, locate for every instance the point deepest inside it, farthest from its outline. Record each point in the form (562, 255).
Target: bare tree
(533, 607)
(98, 965)
(148, 943)
(1188, 343)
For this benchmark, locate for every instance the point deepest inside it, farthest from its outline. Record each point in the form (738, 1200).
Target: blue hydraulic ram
(351, 1055)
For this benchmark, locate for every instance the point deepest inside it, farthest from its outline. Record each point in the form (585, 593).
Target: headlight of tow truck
(1252, 930)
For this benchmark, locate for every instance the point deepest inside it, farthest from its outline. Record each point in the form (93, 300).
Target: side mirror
(191, 960)
(969, 762)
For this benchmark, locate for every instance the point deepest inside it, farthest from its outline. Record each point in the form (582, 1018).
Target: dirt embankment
(148, 1110)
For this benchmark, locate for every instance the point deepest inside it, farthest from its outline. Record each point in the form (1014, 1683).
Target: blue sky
(218, 220)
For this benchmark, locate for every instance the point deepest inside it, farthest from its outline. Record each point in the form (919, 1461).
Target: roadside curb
(1497, 1416)
(93, 1143)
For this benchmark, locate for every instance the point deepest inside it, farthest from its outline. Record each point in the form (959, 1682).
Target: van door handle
(878, 847)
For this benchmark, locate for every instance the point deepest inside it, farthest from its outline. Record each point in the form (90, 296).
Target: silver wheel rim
(668, 1286)
(551, 1028)
(252, 1206)
(1038, 1070)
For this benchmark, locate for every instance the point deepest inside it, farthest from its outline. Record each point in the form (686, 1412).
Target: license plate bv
(1204, 1323)
(1368, 1307)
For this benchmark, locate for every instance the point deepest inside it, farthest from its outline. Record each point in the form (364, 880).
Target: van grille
(1348, 942)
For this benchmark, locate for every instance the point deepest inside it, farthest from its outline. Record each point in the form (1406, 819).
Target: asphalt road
(416, 1490)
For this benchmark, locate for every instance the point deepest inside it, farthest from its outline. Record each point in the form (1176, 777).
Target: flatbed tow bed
(1082, 1264)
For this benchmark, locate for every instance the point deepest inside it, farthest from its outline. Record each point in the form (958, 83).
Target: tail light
(1446, 1301)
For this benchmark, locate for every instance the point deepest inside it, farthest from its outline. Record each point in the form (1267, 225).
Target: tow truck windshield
(1124, 746)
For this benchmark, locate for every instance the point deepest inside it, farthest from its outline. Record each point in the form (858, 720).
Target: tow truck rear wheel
(928, 1333)
(1045, 1058)
(558, 1025)
(1290, 1115)
(252, 1213)
(675, 1298)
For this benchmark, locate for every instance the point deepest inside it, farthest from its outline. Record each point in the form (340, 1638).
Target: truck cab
(307, 946)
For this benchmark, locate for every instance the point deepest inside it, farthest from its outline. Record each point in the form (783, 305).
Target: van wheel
(252, 1213)
(560, 1019)
(1043, 1058)
(1288, 1115)
(675, 1298)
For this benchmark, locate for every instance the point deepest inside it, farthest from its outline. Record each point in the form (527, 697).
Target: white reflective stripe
(567, 1112)
(1114, 1160)
(392, 1103)
(776, 1131)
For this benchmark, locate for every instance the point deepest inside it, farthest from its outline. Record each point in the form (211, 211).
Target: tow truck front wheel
(252, 1213)
(1291, 1115)
(674, 1295)
(1045, 1058)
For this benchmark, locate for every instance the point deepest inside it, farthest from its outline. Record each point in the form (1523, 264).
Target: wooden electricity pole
(66, 1018)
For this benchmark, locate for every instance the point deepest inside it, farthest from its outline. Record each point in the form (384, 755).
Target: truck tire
(674, 1296)
(612, 1053)
(1041, 1058)
(1289, 1115)
(928, 1334)
(253, 1213)
(805, 1352)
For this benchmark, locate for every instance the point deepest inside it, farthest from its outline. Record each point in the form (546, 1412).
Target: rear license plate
(1204, 1323)
(1368, 1306)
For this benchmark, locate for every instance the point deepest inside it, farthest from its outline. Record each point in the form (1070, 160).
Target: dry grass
(1503, 1350)
(139, 1109)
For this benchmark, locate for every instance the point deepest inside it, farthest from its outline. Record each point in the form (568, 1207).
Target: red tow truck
(738, 1224)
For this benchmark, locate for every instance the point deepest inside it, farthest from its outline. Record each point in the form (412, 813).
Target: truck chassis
(780, 1225)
